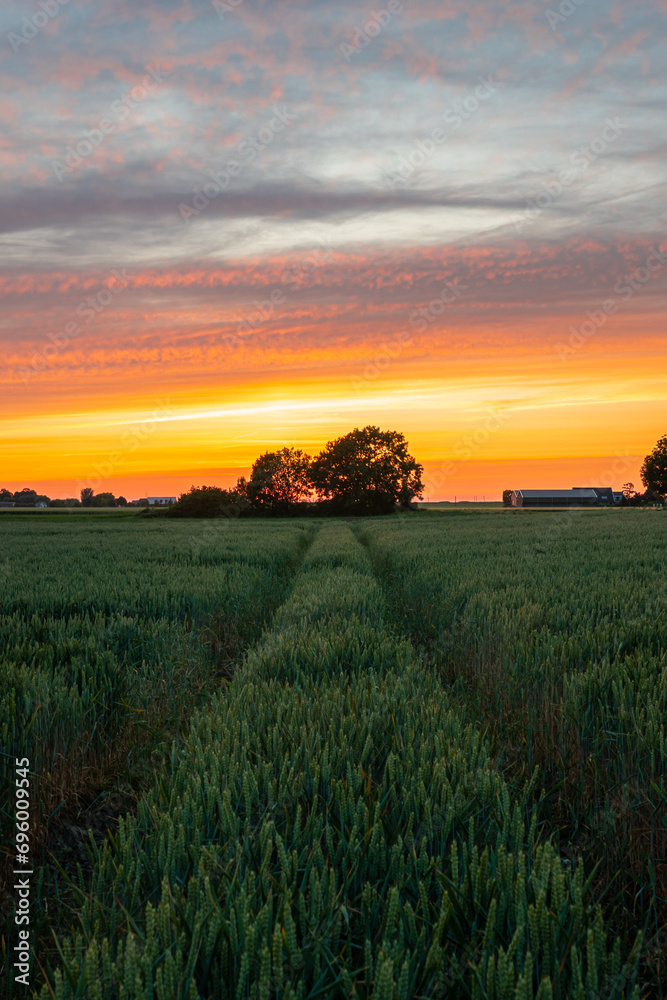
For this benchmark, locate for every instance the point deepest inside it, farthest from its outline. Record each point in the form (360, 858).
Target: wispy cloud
(269, 137)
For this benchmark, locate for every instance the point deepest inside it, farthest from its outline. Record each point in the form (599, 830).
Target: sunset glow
(497, 294)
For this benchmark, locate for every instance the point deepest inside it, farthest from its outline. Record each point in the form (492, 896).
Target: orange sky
(455, 231)
(478, 425)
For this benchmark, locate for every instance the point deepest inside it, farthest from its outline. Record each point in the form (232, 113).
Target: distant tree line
(367, 471)
(28, 497)
(23, 498)
(91, 499)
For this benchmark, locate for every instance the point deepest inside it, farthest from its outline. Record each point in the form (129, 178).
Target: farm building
(578, 496)
(605, 494)
(160, 501)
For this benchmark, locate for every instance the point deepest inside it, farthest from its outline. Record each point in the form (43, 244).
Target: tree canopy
(654, 469)
(279, 479)
(367, 471)
(632, 498)
(103, 500)
(26, 497)
(207, 501)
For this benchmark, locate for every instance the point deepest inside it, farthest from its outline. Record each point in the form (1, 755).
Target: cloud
(323, 180)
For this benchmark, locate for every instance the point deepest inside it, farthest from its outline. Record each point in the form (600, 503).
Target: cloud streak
(537, 201)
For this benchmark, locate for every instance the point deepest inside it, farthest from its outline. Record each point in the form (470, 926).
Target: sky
(231, 226)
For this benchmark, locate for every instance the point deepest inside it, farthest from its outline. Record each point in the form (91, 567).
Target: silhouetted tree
(631, 498)
(103, 500)
(28, 497)
(367, 471)
(279, 479)
(649, 497)
(87, 494)
(654, 469)
(507, 497)
(208, 501)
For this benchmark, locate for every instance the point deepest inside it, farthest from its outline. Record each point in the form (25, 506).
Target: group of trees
(23, 498)
(28, 497)
(368, 471)
(633, 498)
(91, 499)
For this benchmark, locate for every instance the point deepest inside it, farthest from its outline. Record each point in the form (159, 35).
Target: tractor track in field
(65, 845)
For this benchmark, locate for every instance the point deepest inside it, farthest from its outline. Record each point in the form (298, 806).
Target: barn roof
(558, 494)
